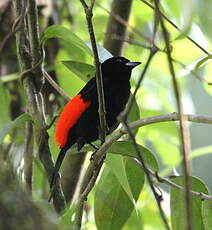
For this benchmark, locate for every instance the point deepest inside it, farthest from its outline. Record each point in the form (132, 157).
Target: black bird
(79, 121)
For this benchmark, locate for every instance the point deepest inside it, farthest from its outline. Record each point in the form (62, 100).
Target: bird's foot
(94, 146)
(92, 156)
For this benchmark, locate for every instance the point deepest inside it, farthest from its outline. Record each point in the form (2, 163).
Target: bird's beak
(132, 64)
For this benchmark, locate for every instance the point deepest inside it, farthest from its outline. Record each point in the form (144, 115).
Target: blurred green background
(155, 96)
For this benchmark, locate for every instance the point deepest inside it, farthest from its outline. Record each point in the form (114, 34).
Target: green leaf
(134, 221)
(57, 31)
(125, 148)
(201, 62)
(200, 151)
(14, 124)
(112, 205)
(134, 115)
(74, 53)
(65, 77)
(204, 9)
(67, 219)
(4, 106)
(103, 53)
(39, 179)
(82, 70)
(177, 205)
(207, 214)
(9, 77)
(117, 165)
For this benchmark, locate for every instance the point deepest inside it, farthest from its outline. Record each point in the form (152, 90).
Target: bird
(79, 123)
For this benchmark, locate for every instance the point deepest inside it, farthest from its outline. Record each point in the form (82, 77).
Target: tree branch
(39, 127)
(34, 41)
(99, 81)
(138, 43)
(125, 23)
(176, 27)
(164, 180)
(184, 131)
(95, 165)
(121, 9)
(149, 179)
(123, 116)
(56, 86)
(28, 155)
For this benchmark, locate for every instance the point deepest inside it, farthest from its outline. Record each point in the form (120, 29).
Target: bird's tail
(55, 175)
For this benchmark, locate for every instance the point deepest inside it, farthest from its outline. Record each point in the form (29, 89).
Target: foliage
(121, 198)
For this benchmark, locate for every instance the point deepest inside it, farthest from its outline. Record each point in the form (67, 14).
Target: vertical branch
(149, 179)
(115, 28)
(34, 40)
(184, 131)
(25, 62)
(99, 81)
(28, 155)
(123, 116)
(90, 178)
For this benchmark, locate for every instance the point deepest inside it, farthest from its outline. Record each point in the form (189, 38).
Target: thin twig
(138, 43)
(171, 117)
(131, 41)
(164, 180)
(148, 121)
(95, 165)
(15, 27)
(124, 114)
(123, 118)
(99, 81)
(46, 75)
(84, 191)
(176, 27)
(184, 131)
(92, 171)
(125, 23)
(149, 179)
(56, 86)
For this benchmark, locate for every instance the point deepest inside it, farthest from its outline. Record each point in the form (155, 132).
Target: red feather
(68, 118)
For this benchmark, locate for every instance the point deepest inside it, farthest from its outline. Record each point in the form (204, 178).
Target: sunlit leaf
(117, 165)
(67, 219)
(57, 31)
(201, 151)
(82, 70)
(9, 77)
(134, 114)
(177, 205)
(4, 106)
(207, 214)
(202, 61)
(204, 12)
(134, 221)
(14, 124)
(112, 205)
(67, 79)
(126, 148)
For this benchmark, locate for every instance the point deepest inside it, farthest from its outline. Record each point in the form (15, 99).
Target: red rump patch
(68, 118)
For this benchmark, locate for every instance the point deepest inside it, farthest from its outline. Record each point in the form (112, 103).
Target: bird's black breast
(116, 96)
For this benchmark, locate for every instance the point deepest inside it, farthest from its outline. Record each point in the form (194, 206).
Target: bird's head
(118, 66)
